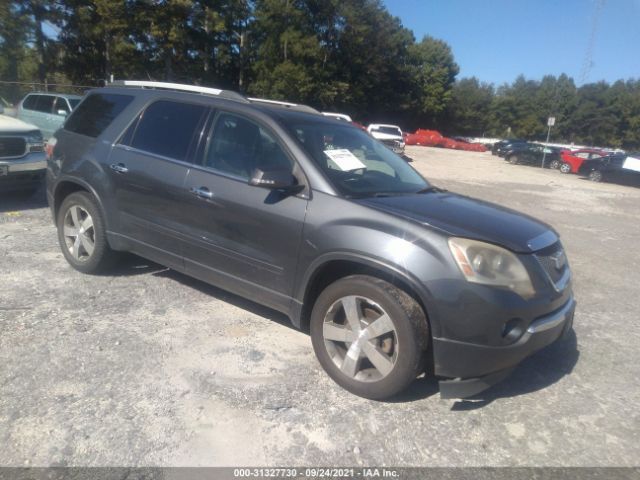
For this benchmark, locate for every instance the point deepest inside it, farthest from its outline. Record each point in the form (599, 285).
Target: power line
(587, 65)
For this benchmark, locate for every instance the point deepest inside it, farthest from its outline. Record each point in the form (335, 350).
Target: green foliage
(350, 56)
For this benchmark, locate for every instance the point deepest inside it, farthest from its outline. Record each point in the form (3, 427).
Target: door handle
(202, 192)
(118, 167)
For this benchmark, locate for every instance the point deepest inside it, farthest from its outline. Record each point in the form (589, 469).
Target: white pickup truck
(22, 157)
(390, 135)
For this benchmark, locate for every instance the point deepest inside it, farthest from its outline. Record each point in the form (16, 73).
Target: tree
(469, 109)
(433, 72)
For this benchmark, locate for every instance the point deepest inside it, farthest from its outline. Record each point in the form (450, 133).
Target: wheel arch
(66, 186)
(331, 268)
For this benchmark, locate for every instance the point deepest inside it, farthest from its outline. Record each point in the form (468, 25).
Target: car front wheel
(369, 336)
(513, 160)
(82, 234)
(565, 167)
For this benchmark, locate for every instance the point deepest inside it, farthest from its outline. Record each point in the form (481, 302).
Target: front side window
(96, 113)
(168, 128)
(45, 103)
(238, 146)
(61, 105)
(30, 102)
(356, 164)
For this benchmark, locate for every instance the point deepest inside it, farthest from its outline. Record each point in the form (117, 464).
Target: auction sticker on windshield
(344, 159)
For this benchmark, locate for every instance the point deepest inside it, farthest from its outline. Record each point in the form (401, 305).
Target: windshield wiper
(431, 189)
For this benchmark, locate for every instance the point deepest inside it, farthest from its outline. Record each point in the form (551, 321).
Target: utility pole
(551, 121)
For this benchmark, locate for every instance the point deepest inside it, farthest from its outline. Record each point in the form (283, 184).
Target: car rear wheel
(595, 175)
(369, 336)
(555, 164)
(565, 167)
(82, 234)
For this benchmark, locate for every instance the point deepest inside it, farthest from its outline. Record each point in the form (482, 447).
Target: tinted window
(60, 104)
(167, 128)
(96, 113)
(45, 103)
(238, 146)
(73, 102)
(30, 102)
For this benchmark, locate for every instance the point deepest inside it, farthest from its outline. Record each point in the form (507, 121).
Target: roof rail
(229, 94)
(288, 105)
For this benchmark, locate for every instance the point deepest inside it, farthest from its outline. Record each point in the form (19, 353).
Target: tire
(82, 234)
(554, 165)
(385, 363)
(595, 175)
(513, 160)
(565, 167)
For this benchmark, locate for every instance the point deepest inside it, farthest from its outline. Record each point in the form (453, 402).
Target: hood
(386, 136)
(13, 125)
(466, 217)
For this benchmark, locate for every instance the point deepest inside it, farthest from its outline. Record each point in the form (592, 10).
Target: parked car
(7, 108)
(390, 135)
(22, 157)
(571, 161)
(47, 111)
(531, 154)
(314, 218)
(615, 167)
(498, 147)
(338, 116)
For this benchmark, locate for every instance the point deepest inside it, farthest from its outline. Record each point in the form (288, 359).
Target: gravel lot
(149, 367)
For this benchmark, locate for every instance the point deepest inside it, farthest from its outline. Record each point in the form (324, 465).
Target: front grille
(554, 262)
(11, 147)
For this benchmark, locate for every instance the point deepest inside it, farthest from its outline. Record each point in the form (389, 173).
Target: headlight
(489, 264)
(35, 142)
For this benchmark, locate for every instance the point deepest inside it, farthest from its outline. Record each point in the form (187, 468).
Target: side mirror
(273, 179)
(62, 113)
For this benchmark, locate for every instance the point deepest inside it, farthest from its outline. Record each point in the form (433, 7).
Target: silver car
(47, 111)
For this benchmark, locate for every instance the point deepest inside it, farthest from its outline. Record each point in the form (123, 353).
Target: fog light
(513, 330)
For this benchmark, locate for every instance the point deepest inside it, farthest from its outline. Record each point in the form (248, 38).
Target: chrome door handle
(118, 167)
(202, 192)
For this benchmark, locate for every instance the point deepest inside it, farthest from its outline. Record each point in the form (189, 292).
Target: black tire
(595, 176)
(410, 336)
(554, 165)
(102, 257)
(565, 167)
(513, 159)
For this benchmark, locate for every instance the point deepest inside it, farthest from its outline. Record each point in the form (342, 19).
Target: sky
(497, 40)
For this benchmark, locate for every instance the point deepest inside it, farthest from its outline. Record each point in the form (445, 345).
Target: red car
(571, 161)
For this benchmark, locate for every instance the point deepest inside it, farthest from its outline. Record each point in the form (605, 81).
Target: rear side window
(30, 102)
(96, 113)
(167, 128)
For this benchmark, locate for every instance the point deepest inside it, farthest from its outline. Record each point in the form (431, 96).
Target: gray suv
(312, 217)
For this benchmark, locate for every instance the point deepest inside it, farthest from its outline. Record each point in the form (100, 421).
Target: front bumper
(475, 368)
(25, 172)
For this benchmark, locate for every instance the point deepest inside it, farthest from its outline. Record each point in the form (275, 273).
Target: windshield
(387, 130)
(356, 164)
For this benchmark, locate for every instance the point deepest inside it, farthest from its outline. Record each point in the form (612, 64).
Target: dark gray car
(314, 218)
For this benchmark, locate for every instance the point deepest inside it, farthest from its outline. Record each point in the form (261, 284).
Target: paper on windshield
(631, 163)
(344, 159)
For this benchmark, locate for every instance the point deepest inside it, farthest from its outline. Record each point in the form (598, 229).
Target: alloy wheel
(360, 338)
(79, 233)
(565, 168)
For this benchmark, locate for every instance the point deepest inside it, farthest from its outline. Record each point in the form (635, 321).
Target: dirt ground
(146, 366)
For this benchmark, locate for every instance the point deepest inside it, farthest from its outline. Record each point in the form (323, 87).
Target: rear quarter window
(96, 113)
